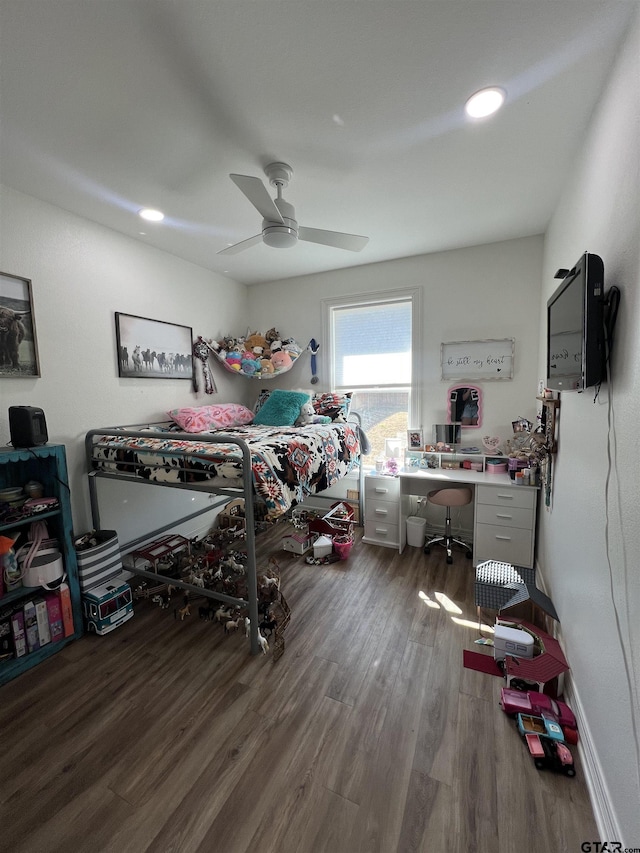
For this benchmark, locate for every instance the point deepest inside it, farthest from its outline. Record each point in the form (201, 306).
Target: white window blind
(371, 344)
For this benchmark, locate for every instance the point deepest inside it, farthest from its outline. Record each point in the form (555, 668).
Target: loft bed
(275, 466)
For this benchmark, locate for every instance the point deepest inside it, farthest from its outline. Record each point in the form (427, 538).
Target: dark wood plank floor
(366, 735)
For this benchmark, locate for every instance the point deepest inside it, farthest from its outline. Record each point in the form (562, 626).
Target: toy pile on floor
(216, 563)
(329, 535)
(546, 724)
(255, 354)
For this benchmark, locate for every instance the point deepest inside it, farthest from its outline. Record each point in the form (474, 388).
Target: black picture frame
(153, 349)
(18, 344)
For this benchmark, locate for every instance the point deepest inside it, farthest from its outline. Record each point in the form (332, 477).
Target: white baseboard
(601, 803)
(603, 812)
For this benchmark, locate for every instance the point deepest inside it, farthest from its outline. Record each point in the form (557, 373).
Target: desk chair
(449, 497)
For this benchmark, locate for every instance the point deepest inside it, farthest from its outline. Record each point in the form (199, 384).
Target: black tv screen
(575, 328)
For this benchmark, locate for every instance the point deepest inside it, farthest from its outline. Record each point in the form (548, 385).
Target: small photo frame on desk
(415, 439)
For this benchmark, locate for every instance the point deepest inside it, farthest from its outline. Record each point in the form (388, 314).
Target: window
(372, 344)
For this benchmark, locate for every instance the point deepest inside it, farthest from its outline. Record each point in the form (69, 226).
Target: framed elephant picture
(18, 343)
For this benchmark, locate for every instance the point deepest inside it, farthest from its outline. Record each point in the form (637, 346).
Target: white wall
(81, 274)
(589, 544)
(476, 293)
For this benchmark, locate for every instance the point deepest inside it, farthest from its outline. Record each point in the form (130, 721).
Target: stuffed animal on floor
(308, 416)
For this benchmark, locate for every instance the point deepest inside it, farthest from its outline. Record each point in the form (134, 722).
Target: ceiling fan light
(280, 236)
(485, 102)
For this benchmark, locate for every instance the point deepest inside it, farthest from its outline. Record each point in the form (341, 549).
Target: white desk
(504, 514)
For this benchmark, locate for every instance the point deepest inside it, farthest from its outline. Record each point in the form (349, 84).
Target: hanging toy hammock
(201, 351)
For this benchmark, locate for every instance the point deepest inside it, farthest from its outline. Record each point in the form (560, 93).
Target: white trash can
(416, 531)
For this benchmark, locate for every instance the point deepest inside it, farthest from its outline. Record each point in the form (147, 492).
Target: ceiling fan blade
(258, 195)
(337, 239)
(241, 246)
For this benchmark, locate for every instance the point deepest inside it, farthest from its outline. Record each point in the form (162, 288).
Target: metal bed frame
(246, 492)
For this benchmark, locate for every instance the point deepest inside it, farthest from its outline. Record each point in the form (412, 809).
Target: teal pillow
(281, 408)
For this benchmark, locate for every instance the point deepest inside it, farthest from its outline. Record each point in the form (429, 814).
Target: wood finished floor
(366, 735)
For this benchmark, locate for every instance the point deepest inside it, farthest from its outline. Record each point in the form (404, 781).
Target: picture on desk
(464, 405)
(415, 439)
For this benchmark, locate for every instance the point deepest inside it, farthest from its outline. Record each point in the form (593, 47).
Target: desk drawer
(381, 488)
(516, 496)
(505, 516)
(385, 511)
(504, 544)
(381, 533)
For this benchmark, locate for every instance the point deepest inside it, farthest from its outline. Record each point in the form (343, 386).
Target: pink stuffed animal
(281, 360)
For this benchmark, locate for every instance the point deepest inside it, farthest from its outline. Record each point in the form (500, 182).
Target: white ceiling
(110, 105)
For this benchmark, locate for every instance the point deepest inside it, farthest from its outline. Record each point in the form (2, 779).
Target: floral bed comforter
(288, 463)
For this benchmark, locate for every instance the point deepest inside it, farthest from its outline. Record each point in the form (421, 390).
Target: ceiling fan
(280, 228)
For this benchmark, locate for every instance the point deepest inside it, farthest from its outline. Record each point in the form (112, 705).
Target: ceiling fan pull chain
(313, 348)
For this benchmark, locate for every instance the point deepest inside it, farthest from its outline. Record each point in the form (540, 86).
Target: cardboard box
(31, 626)
(54, 612)
(42, 618)
(298, 543)
(7, 643)
(19, 637)
(66, 608)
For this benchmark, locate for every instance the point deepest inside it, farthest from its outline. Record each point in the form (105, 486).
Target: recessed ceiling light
(485, 102)
(151, 215)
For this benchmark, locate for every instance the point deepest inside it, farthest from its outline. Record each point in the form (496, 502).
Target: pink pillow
(209, 418)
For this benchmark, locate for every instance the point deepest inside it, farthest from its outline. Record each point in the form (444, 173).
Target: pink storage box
(496, 466)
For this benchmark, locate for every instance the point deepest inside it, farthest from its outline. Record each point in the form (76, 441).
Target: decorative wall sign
(466, 360)
(153, 349)
(18, 345)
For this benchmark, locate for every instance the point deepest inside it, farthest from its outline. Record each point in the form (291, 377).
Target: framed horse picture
(18, 344)
(153, 349)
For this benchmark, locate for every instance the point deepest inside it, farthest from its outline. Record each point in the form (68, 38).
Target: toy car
(545, 742)
(550, 754)
(542, 726)
(517, 702)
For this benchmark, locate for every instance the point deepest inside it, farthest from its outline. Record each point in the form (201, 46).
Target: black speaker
(27, 426)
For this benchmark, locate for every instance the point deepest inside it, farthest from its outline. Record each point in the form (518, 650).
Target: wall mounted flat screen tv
(575, 327)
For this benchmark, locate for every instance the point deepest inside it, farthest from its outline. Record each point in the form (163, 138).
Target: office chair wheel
(469, 555)
(449, 560)
(427, 549)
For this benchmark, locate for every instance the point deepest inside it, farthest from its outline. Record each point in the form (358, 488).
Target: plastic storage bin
(323, 546)
(416, 528)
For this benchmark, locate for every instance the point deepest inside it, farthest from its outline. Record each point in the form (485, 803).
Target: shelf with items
(53, 616)
(448, 460)
(549, 418)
